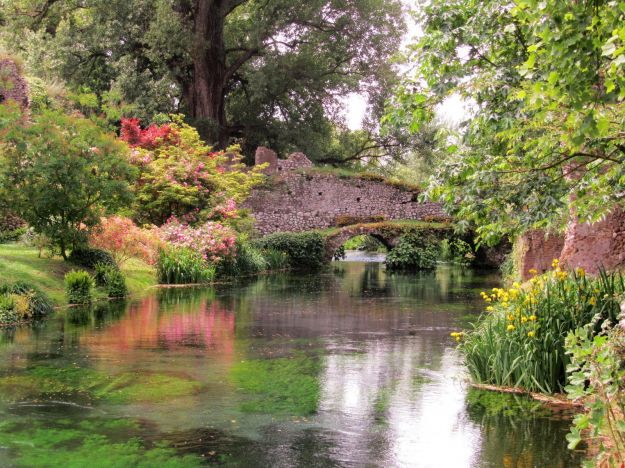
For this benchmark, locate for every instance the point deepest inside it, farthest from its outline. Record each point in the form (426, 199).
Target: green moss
(284, 385)
(150, 387)
(91, 442)
(42, 381)
(489, 403)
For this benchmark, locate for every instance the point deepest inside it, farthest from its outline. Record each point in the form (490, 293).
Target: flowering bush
(519, 342)
(213, 241)
(180, 175)
(149, 138)
(124, 239)
(226, 210)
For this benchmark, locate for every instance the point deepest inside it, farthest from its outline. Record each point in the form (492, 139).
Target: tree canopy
(266, 72)
(546, 82)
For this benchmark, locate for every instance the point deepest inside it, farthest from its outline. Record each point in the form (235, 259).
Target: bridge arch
(388, 233)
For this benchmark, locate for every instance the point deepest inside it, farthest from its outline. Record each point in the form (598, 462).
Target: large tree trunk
(205, 94)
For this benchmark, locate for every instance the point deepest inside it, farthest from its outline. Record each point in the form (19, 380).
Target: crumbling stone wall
(595, 246)
(12, 85)
(589, 246)
(295, 199)
(536, 250)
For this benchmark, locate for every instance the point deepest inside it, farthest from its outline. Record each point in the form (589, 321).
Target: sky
(452, 111)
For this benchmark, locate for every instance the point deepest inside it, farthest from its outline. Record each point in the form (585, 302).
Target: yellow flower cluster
(457, 335)
(517, 303)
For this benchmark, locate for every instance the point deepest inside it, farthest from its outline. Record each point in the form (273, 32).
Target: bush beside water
(79, 287)
(413, 252)
(597, 377)
(21, 301)
(180, 265)
(305, 250)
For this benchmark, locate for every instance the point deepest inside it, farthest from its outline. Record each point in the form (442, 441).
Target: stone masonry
(12, 85)
(589, 246)
(298, 199)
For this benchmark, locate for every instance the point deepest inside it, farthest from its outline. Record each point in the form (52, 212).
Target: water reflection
(201, 369)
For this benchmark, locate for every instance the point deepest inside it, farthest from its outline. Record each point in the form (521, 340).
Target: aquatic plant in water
(90, 442)
(44, 382)
(284, 385)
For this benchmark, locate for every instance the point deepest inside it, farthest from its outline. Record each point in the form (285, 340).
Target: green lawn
(19, 263)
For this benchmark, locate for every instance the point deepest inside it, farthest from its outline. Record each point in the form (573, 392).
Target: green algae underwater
(348, 367)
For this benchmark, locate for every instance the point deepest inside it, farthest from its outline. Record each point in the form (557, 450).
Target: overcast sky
(452, 110)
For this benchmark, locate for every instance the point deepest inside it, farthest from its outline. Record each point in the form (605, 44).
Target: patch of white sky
(452, 111)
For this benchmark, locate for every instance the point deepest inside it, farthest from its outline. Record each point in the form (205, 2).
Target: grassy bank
(19, 263)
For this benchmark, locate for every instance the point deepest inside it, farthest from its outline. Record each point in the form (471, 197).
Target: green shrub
(111, 279)
(456, 251)
(306, 250)
(180, 265)
(8, 312)
(87, 257)
(79, 287)
(29, 301)
(248, 260)
(99, 275)
(597, 377)
(12, 235)
(39, 304)
(413, 252)
(519, 341)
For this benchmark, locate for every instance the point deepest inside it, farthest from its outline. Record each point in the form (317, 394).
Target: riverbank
(19, 263)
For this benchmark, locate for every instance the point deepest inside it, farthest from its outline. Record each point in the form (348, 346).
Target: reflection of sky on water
(424, 422)
(390, 393)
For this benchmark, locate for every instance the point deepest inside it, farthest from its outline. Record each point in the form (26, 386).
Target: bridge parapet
(298, 197)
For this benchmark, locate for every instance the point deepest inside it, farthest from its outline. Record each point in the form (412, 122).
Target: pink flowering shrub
(212, 240)
(225, 210)
(124, 239)
(180, 175)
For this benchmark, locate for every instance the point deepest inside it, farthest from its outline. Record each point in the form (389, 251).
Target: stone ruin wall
(589, 246)
(13, 86)
(297, 200)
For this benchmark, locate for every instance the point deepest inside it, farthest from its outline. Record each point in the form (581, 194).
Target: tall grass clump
(181, 265)
(79, 287)
(520, 340)
(21, 301)
(248, 260)
(276, 260)
(39, 304)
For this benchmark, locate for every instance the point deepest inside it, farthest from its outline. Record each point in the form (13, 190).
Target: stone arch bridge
(299, 197)
(388, 233)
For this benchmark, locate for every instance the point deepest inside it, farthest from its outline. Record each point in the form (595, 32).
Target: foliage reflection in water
(350, 367)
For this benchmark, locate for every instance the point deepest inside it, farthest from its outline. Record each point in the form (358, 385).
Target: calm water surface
(351, 367)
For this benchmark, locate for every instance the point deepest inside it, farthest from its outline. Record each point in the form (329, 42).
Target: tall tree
(239, 68)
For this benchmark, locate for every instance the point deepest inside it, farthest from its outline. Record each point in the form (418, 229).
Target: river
(350, 367)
